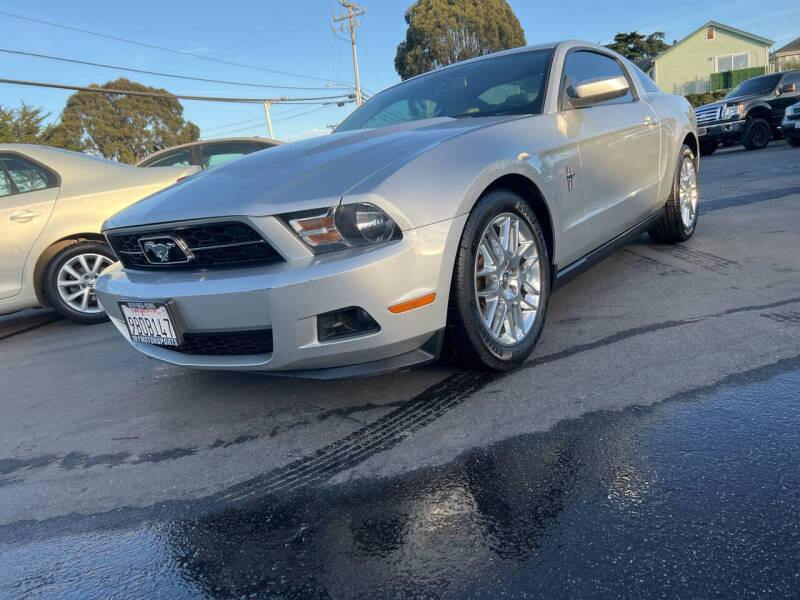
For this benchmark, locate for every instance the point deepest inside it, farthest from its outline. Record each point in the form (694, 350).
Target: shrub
(730, 79)
(700, 99)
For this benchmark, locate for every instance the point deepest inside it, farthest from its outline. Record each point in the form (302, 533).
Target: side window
(583, 65)
(792, 79)
(5, 185)
(26, 175)
(217, 154)
(171, 159)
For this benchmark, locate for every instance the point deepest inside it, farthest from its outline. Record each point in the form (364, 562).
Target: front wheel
(70, 277)
(708, 148)
(501, 284)
(757, 134)
(680, 214)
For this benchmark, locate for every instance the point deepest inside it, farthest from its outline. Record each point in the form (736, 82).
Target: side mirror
(600, 89)
(785, 89)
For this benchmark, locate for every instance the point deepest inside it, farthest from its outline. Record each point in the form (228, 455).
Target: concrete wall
(687, 68)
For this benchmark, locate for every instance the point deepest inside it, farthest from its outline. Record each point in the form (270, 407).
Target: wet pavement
(697, 496)
(649, 446)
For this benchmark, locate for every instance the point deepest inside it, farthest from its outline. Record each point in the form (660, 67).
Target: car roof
(268, 142)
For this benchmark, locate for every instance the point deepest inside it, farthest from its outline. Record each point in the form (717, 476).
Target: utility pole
(267, 104)
(353, 11)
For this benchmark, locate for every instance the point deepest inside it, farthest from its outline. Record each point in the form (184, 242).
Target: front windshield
(757, 85)
(507, 85)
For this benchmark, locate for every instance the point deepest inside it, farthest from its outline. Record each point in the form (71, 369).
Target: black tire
(51, 281)
(793, 141)
(757, 134)
(708, 148)
(671, 228)
(468, 339)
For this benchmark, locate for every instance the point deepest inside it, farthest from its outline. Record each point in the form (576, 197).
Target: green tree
(120, 126)
(24, 125)
(441, 32)
(634, 45)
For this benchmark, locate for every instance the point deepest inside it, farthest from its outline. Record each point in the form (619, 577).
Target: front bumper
(790, 127)
(720, 130)
(287, 297)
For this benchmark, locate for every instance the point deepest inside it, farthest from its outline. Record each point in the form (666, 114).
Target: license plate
(702, 130)
(151, 323)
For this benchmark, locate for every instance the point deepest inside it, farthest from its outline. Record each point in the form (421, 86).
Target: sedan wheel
(680, 214)
(507, 279)
(70, 281)
(501, 283)
(688, 192)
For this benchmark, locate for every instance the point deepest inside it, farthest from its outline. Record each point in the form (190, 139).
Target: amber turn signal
(412, 304)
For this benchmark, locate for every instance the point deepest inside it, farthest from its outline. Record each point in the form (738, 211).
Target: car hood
(737, 100)
(297, 176)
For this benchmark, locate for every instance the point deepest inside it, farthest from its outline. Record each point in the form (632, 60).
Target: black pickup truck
(749, 114)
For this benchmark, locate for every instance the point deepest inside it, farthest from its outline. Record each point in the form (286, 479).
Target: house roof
(721, 26)
(790, 48)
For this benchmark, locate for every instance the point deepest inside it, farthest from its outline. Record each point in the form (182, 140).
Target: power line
(133, 70)
(228, 133)
(317, 100)
(284, 115)
(162, 48)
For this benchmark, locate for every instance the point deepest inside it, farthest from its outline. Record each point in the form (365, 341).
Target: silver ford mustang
(447, 206)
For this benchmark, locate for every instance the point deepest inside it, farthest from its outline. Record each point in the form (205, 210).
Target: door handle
(23, 216)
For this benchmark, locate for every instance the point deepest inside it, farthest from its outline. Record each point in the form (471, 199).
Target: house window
(731, 62)
(709, 33)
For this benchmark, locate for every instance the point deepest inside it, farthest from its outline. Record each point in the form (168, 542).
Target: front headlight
(344, 226)
(730, 112)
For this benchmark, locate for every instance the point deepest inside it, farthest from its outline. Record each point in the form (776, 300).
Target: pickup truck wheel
(70, 277)
(757, 134)
(680, 216)
(708, 148)
(501, 285)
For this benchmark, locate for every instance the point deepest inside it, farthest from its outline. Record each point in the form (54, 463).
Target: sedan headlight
(344, 226)
(732, 111)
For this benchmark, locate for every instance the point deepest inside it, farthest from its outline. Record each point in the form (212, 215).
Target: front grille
(212, 245)
(707, 114)
(227, 343)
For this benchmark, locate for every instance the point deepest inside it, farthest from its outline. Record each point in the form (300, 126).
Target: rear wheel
(501, 284)
(757, 134)
(708, 148)
(70, 278)
(680, 216)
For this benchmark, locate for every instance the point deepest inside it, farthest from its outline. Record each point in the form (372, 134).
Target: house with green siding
(686, 67)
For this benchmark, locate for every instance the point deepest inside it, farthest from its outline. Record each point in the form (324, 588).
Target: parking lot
(635, 449)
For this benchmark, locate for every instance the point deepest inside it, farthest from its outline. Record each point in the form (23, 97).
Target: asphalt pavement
(649, 447)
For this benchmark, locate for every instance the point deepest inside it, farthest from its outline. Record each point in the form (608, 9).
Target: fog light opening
(347, 322)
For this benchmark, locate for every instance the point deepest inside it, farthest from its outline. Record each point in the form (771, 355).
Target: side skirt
(598, 254)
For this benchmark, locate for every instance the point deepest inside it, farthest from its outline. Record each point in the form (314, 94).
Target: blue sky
(295, 36)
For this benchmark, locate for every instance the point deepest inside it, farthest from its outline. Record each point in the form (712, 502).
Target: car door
(619, 144)
(787, 93)
(28, 193)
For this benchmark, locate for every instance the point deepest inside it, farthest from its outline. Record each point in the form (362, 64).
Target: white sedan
(52, 204)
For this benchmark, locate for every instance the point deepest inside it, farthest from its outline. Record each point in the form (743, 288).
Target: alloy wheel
(76, 279)
(688, 192)
(507, 279)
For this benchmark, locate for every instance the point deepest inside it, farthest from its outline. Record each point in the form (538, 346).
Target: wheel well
(528, 190)
(691, 141)
(759, 112)
(53, 249)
